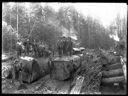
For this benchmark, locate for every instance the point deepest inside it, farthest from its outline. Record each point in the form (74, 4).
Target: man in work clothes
(59, 47)
(35, 48)
(18, 48)
(27, 44)
(69, 46)
(64, 44)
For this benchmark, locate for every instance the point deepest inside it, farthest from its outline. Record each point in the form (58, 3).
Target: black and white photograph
(64, 48)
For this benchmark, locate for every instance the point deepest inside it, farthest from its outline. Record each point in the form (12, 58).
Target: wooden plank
(77, 88)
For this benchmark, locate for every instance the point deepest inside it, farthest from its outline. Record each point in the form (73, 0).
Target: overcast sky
(105, 12)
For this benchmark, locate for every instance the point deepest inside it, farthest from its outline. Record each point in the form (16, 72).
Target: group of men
(65, 46)
(28, 47)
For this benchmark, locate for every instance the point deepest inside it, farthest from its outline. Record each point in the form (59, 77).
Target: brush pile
(93, 68)
(91, 71)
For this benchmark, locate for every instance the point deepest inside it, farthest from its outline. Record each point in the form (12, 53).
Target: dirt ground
(43, 86)
(47, 85)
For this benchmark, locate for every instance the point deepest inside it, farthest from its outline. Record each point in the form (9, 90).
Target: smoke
(115, 37)
(67, 33)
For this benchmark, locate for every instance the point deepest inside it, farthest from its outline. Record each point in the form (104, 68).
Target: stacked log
(116, 79)
(64, 67)
(112, 73)
(91, 71)
(113, 66)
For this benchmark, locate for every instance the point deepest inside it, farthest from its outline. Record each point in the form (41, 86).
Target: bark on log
(110, 64)
(115, 59)
(60, 71)
(111, 73)
(113, 66)
(31, 69)
(64, 67)
(113, 79)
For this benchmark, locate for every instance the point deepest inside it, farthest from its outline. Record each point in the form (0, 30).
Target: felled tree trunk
(113, 79)
(32, 69)
(64, 67)
(114, 59)
(111, 73)
(60, 71)
(113, 66)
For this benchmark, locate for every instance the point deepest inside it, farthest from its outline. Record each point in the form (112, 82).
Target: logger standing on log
(35, 48)
(62, 45)
(59, 47)
(69, 46)
(27, 47)
(18, 48)
(65, 46)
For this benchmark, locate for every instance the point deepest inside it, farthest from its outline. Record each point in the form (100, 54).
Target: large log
(29, 69)
(60, 70)
(113, 79)
(63, 67)
(43, 62)
(114, 63)
(111, 73)
(113, 66)
(114, 59)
